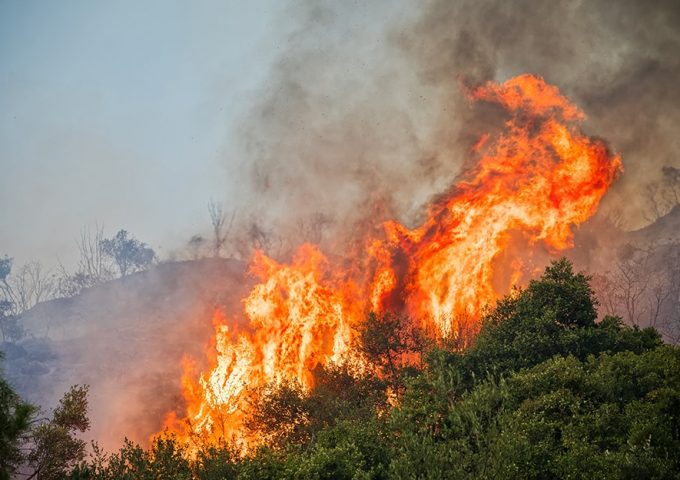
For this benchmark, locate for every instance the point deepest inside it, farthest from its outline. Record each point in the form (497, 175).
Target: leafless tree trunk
(645, 288)
(261, 239)
(312, 229)
(606, 292)
(632, 283)
(93, 268)
(31, 285)
(93, 261)
(220, 232)
(615, 217)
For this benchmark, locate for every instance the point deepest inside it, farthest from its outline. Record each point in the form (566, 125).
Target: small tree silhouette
(129, 254)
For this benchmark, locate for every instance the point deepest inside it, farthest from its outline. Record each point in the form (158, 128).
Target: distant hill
(124, 338)
(664, 229)
(598, 242)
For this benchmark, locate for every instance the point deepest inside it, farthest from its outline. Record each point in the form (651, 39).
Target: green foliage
(266, 464)
(164, 459)
(546, 392)
(15, 419)
(128, 253)
(343, 394)
(216, 462)
(55, 450)
(281, 416)
(49, 448)
(349, 450)
(554, 315)
(392, 345)
(459, 417)
(287, 416)
(9, 327)
(609, 417)
(612, 416)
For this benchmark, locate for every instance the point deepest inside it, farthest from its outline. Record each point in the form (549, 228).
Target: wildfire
(533, 181)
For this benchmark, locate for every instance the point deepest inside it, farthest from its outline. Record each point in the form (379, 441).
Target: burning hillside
(529, 184)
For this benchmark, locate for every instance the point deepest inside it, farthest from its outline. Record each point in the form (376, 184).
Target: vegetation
(23, 288)
(35, 446)
(128, 254)
(15, 419)
(545, 392)
(52, 447)
(20, 291)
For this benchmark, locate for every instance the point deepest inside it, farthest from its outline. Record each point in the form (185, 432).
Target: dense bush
(545, 392)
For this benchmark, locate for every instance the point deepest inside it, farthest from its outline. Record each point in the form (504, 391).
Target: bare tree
(671, 185)
(220, 231)
(5, 287)
(312, 229)
(654, 209)
(631, 281)
(35, 284)
(605, 290)
(23, 290)
(93, 261)
(10, 329)
(644, 288)
(266, 240)
(94, 266)
(252, 235)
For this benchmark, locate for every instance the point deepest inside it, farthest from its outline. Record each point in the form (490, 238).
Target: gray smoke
(365, 104)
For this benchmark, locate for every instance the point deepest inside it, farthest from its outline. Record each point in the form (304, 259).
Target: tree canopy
(128, 253)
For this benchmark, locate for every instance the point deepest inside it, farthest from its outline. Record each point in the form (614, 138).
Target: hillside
(125, 339)
(664, 229)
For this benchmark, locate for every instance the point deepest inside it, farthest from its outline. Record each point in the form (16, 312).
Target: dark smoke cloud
(366, 102)
(617, 60)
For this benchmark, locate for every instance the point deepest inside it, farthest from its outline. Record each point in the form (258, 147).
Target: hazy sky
(135, 113)
(118, 113)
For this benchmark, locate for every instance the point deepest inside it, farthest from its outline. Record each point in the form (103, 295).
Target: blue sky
(120, 113)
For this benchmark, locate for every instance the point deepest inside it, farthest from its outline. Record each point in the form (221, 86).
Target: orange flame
(536, 179)
(540, 177)
(299, 319)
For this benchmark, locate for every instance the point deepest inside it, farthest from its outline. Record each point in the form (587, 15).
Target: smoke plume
(366, 103)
